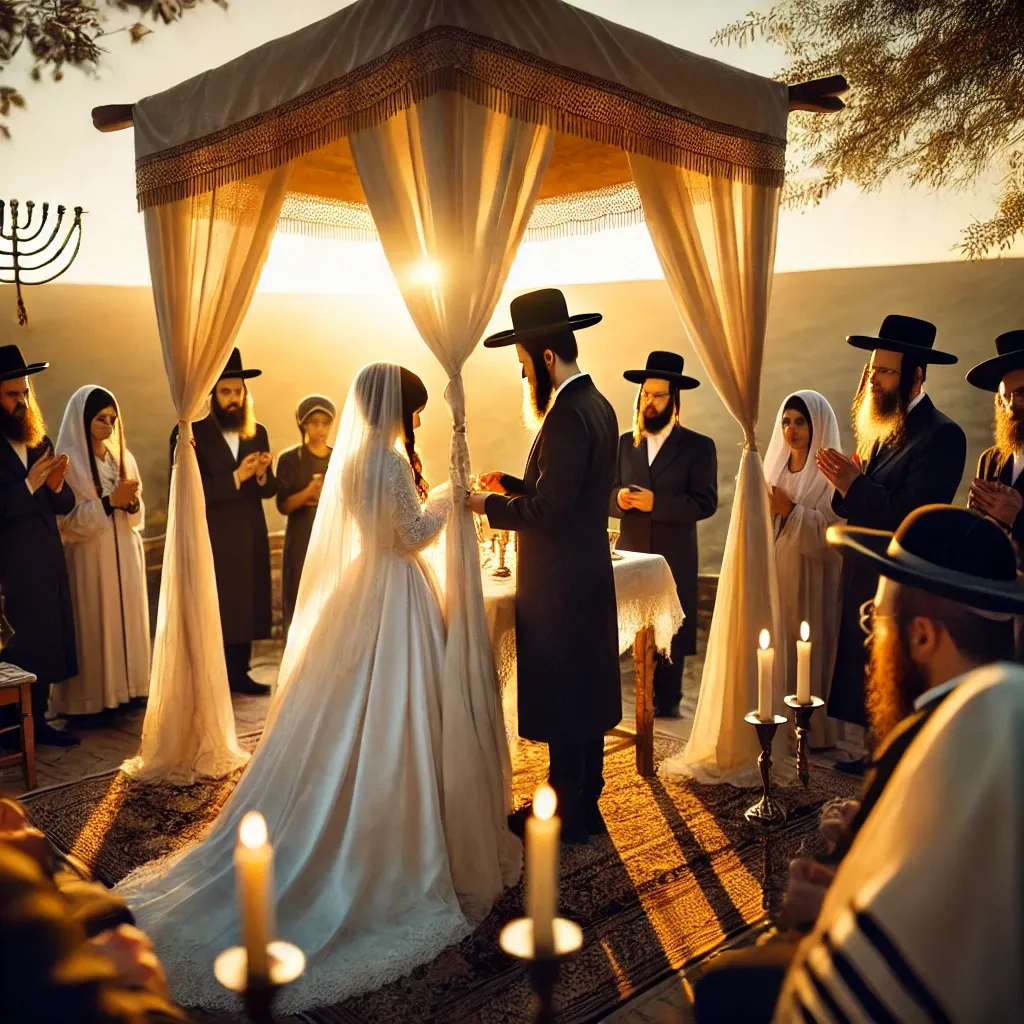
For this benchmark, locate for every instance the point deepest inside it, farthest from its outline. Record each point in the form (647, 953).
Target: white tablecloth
(646, 596)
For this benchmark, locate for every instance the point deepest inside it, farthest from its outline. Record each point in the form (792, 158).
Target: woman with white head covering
(348, 773)
(106, 563)
(808, 569)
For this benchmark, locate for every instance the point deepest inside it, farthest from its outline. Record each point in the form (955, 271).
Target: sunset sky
(56, 155)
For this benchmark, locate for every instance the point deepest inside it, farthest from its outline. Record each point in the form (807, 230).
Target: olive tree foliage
(59, 34)
(936, 98)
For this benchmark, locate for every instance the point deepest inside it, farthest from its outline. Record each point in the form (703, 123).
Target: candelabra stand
(516, 939)
(34, 254)
(231, 969)
(803, 713)
(503, 571)
(766, 811)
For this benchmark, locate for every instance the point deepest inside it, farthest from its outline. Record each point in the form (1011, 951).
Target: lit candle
(803, 665)
(542, 838)
(254, 874)
(765, 666)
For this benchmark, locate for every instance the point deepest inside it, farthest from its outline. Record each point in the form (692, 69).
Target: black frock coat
(238, 530)
(924, 470)
(33, 573)
(295, 469)
(567, 633)
(994, 467)
(684, 479)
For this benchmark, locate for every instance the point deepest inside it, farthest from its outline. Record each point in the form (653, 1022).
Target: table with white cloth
(649, 614)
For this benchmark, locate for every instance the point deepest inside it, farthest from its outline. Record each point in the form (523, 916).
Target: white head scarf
(811, 489)
(75, 441)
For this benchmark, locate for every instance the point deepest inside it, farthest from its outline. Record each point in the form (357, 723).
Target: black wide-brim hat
(952, 552)
(235, 371)
(663, 366)
(988, 374)
(13, 365)
(906, 335)
(539, 315)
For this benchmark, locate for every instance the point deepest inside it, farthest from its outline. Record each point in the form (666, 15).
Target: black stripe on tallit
(890, 953)
(824, 995)
(875, 1009)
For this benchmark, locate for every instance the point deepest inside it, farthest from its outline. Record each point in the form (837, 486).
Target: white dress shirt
(234, 440)
(1018, 465)
(655, 441)
(916, 402)
(932, 695)
(568, 380)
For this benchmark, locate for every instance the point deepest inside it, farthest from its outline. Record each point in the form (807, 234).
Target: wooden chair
(16, 688)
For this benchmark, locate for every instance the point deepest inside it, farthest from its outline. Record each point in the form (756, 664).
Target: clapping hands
(996, 500)
(50, 470)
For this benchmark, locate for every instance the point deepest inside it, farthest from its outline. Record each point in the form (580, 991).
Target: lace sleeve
(416, 525)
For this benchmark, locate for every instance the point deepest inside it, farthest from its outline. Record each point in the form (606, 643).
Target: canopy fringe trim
(485, 71)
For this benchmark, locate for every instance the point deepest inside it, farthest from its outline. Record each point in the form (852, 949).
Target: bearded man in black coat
(666, 481)
(235, 464)
(566, 622)
(33, 573)
(908, 455)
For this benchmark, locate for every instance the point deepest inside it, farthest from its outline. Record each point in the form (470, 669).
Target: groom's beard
(25, 425)
(892, 684)
(878, 418)
(1009, 431)
(538, 394)
(235, 417)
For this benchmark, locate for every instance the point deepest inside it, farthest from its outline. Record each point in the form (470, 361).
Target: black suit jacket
(567, 634)
(684, 479)
(924, 470)
(238, 530)
(47, 972)
(995, 467)
(33, 573)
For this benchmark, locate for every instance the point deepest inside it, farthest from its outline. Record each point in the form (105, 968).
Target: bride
(348, 772)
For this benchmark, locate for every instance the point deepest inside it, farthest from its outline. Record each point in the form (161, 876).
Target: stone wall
(708, 583)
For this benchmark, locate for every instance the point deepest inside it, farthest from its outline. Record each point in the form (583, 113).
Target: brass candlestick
(231, 969)
(516, 939)
(503, 571)
(802, 715)
(766, 811)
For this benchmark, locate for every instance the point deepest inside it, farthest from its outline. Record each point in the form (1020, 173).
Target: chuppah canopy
(452, 129)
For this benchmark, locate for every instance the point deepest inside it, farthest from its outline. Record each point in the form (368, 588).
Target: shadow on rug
(679, 874)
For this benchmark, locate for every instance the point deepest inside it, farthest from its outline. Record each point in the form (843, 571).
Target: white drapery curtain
(715, 239)
(451, 185)
(205, 254)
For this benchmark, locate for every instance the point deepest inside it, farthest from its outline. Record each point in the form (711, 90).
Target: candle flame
(544, 803)
(765, 640)
(805, 632)
(252, 832)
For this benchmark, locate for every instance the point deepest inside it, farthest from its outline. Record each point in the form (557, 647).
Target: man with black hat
(566, 623)
(33, 573)
(946, 597)
(998, 489)
(235, 463)
(666, 482)
(908, 455)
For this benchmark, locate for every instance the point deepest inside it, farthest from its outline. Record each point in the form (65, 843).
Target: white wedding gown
(347, 775)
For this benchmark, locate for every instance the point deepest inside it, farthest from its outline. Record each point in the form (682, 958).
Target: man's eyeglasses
(652, 396)
(882, 371)
(1015, 397)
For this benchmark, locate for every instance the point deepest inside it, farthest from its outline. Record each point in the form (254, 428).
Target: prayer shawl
(925, 918)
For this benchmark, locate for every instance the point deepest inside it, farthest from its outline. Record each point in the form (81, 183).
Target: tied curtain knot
(184, 434)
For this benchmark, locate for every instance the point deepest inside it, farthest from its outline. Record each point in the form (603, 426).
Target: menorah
(48, 253)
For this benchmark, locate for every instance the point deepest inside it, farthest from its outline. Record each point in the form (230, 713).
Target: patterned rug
(680, 874)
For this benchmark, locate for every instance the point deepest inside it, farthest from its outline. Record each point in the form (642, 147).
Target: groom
(566, 623)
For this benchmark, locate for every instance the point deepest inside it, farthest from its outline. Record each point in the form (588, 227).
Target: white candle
(542, 844)
(765, 667)
(254, 874)
(803, 665)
